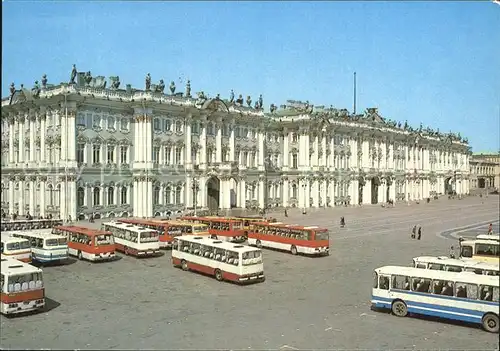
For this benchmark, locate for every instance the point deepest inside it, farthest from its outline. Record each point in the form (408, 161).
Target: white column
(32, 203)
(149, 198)
(64, 143)
(315, 192)
(243, 193)
(129, 194)
(11, 140)
(32, 139)
(203, 142)
(21, 196)
(286, 150)
(262, 187)
(232, 145)
(218, 143)
(21, 139)
(43, 189)
(323, 192)
(315, 158)
(323, 156)
(355, 192)
(261, 148)
(285, 192)
(148, 126)
(189, 147)
(188, 201)
(367, 192)
(366, 155)
(71, 142)
(43, 131)
(12, 197)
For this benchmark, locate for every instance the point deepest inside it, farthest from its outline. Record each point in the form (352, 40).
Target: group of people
(416, 232)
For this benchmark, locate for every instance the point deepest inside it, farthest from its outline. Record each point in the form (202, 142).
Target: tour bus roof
(457, 262)
(6, 238)
(205, 240)
(480, 241)
(132, 227)
(494, 237)
(82, 230)
(464, 277)
(11, 266)
(40, 233)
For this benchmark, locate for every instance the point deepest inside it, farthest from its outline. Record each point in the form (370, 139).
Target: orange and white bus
(21, 287)
(168, 229)
(16, 248)
(86, 243)
(222, 260)
(311, 240)
(221, 228)
(133, 240)
(25, 224)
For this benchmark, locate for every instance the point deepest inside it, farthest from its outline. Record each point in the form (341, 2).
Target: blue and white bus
(463, 296)
(45, 246)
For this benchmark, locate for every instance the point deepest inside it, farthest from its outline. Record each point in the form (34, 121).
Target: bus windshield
(22, 245)
(51, 242)
(251, 257)
(24, 282)
(104, 239)
(322, 235)
(148, 237)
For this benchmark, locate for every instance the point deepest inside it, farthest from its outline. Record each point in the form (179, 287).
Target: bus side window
(436, 267)
(421, 285)
(496, 294)
(486, 293)
(375, 280)
(447, 289)
(466, 251)
(466, 291)
(454, 269)
(218, 254)
(401, 282)
(383, 283)
(421, 266)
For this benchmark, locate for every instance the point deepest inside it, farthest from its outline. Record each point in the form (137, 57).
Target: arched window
(50, 189)
(111, 195)
(178, 195)
(168, 195)
(294, 191)
(96, 194)
(124, 195)
(156, 195)
(80, 197)
(57, 195)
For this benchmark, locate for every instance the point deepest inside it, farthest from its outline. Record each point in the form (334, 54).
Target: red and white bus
(168, 229)
(16, 248)
(221, 228)
(311, 240)
(86, 243)
(222, 260)
(134, 240)
(21, 287)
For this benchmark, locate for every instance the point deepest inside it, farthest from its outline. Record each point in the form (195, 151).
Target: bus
(463, 296)
(217, 258)
(33, 224)
(307, 240)
(16, 248)
(480, 250)
(88, 244)
(495, 237)
(22, 287)
(133, 240)
(221, 228)
(168, 229)
(45, 246)
(443, 263)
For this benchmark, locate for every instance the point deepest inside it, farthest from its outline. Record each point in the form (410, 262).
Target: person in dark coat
(342, 222)
(414, 232)
(419, 233)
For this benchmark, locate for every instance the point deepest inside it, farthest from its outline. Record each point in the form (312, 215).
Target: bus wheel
(218, 275)
(184, 265)
(80, 257)
(258, 244)
(491, 323)
(399, 308)
(293, 250)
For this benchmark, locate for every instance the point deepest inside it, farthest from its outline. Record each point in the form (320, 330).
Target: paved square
(305, 303)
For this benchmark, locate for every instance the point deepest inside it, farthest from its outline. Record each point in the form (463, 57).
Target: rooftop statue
(148, 82)
(421, 127)
(88, 78)
(36, 89)
(261, 102)
(239, 101)
(273, 108)
(44, 81)
(406, 125)
(73, 75)
(217, 97)
(231, 96)
(188, 89)
(172, 87)
(115, 82)
(12, 89)
(249, 101)
(160, 88)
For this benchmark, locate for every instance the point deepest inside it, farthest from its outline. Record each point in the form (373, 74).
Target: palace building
(484, 171)
(82, 148)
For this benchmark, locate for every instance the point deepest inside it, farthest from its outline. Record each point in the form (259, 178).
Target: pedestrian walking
(419, 232)
(286, 213)
(490, 229)
(342, 222)
(414, 232)
(452, 252)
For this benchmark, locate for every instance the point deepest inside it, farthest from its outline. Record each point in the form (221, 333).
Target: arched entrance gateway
(481, 183)
(448, 186)
(213, 193)
(375, 185)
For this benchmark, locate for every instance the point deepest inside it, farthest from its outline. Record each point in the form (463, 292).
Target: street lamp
(195, 187)
(304, 187)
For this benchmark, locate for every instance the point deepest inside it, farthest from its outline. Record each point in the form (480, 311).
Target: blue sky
(429, 62)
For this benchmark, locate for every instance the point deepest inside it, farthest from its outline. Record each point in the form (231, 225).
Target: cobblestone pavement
(313, 303)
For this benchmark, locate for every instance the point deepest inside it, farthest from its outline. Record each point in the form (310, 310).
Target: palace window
(168, 196)
(96, 153)
(237, 132)
(178, 191)
(123, 154)
(124, 195)
(157, 125)
(111, 153)
(156, 195)
(80, 152)
(167, 124)
(195, 128)
(96, 196)
(244, 161)
(156, 154)
(178, 155)
(80, 119)
(111, 195)
(111, 122)
(178, 126)
(80, 197)
(295, 137)
(210, 129)
(124, 123)
(252, 159)
(96, 121)
(225, 130)
(168, 152)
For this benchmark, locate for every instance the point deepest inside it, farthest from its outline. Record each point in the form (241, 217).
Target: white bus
(21, 287)
(220, 259)
(480, 250)
(494, 237)
(33, 224)
(45, 246)
(463, 296)
(443, 263)
(16, 248)
(134, 240)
